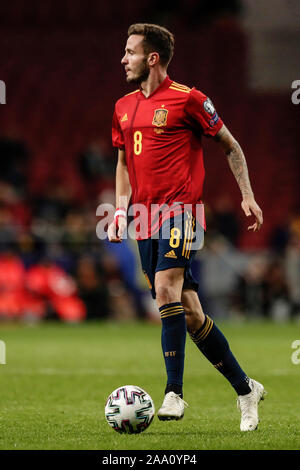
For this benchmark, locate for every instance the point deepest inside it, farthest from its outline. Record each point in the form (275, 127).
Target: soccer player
(157, 130)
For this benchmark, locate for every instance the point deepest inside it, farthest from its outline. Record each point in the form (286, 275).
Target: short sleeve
(117, 134)
(200, 111)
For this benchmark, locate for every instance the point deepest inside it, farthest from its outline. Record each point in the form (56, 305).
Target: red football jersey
(161, 136)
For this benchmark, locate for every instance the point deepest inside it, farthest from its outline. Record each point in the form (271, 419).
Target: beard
(141, 75)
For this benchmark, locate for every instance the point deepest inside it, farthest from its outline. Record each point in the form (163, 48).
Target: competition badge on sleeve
(210, 109)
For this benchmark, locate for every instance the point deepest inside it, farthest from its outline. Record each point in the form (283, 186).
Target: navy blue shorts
(174, 246)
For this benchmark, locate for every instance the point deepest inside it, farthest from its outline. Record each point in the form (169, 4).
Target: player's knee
(165, 293)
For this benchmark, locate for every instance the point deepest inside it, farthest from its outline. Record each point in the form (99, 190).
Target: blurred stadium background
(60, 62)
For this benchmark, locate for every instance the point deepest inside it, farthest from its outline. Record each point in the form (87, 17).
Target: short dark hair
(156, 39)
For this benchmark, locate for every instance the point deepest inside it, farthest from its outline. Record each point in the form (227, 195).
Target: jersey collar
(163, 86)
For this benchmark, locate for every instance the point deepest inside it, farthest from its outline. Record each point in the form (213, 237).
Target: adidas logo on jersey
(171, 254)
(124, 118)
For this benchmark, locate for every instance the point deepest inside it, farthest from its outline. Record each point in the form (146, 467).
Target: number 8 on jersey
(137, 142)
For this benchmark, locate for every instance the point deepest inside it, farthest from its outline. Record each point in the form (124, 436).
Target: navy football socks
(173, 337)
(213, 344)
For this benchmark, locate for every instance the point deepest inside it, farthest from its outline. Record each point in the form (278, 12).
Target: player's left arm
(238, 165)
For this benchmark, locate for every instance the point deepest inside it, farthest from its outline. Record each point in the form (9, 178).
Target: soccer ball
(129, 409)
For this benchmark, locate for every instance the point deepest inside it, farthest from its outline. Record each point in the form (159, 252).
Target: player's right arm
(123, 192)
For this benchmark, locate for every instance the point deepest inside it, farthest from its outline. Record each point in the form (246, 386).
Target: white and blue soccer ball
(129, 410)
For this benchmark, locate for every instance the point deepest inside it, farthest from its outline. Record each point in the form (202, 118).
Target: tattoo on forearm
(238, 165)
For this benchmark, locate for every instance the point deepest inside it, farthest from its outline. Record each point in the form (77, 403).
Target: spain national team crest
(160, 117)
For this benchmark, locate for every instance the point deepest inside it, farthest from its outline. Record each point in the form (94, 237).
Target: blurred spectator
(15, 300)
(295, 225)
(8, 230)
(92, 288)
(127, 261)
(292, 271)
(54, 203)
(121, 304)
(221, 265)
(14, 162)
(96, 167)
(280, 238)
(94, 161)
(262, 291)
(15, 204)
(282, 234)
(29, 247)
(12, 272)
(277, 294)
(225, 219)
(250, 297)
(51, 284)
(75, 232)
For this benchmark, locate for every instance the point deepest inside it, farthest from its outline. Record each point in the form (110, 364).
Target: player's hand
(250, 207)
(116, 231)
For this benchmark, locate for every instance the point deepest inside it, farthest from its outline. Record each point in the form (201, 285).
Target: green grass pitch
(57, 377)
